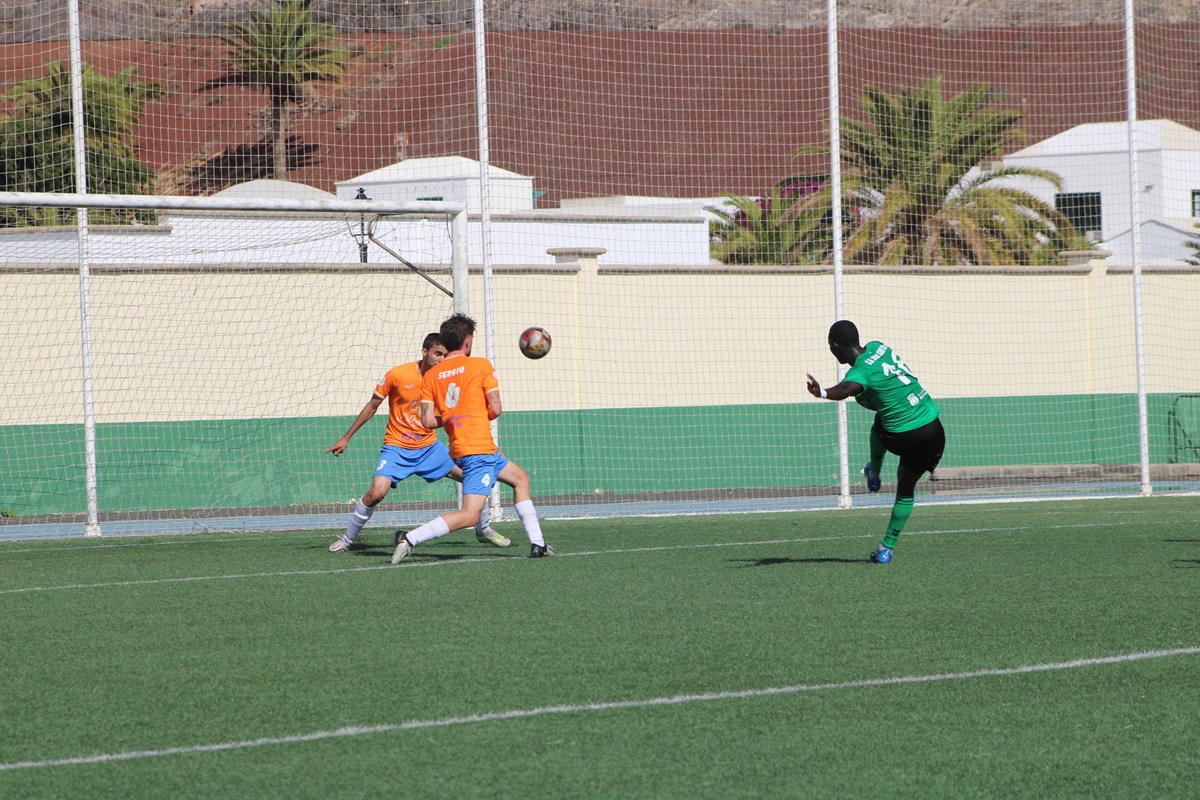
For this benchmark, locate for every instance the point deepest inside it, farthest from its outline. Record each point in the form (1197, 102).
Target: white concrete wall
(205, 345)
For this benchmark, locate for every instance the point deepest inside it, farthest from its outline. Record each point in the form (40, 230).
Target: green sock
(901, 511)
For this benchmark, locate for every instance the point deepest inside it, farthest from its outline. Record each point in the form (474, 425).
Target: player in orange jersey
(409, 448)
(462, 395)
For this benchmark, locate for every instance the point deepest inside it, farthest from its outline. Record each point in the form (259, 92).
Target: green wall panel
(282, 462)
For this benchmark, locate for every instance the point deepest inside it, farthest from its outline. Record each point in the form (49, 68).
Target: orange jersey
(402, 388)
(458, 389)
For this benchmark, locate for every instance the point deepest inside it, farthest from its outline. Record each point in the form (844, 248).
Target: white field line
(503, 559)
(616, 705)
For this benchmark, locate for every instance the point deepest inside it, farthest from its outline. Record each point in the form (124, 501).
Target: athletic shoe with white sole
(492, 536)
(341, 545)
(403, 550)
(540, 550)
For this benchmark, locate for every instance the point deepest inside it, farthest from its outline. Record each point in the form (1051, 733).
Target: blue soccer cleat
(874, 480)
(883, 555)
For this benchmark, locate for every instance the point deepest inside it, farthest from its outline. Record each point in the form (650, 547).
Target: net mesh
(229, 351)
(658, 199)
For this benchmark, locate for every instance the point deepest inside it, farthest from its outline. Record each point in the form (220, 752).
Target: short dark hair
(431, 339)
(843, 332)
(455, 331)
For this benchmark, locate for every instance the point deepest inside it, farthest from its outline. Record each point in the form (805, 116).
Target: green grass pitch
(751, 656)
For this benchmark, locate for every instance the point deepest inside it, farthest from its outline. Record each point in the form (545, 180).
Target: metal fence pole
(1135, 241)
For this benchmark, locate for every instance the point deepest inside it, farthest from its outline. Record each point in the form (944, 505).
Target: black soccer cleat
(540, 550)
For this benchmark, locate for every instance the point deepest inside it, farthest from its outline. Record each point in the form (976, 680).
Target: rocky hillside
(41, 20)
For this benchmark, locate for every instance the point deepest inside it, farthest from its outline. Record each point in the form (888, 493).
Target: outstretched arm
(840, 392)
(367, 412)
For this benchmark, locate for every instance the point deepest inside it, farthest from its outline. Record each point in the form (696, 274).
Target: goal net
(220, 347)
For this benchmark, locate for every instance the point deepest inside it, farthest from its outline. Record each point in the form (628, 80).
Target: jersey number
(900, 370)
(452, 393)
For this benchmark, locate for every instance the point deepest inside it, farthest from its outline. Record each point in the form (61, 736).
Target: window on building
(1083, 210)
(1196, 202)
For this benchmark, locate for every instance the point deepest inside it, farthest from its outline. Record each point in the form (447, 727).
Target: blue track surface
(649, 508)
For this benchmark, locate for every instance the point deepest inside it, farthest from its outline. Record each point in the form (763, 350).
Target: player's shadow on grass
(771, 562)
(384, 550)
(1185, 563)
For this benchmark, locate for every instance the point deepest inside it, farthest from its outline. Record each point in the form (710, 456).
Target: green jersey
(891, 390)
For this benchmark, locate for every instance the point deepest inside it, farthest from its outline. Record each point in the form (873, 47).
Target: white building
(664, 231)
(452, 179)
(1093, 161)
(667, 235)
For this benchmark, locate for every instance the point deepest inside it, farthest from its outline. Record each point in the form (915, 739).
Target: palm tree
(36, 147)
(1193, 244)
(281, 51)
(788, 226)
(910, 176)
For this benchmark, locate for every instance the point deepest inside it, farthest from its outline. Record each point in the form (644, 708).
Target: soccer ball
(534, 342)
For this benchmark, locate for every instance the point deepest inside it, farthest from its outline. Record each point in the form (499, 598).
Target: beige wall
(188, 345)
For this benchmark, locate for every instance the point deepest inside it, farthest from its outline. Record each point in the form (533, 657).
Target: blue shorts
(397, 463)
(479, 472)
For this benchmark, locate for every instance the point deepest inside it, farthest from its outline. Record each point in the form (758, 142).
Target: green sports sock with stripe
(901, 511)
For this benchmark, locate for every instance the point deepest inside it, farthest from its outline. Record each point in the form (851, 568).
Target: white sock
(529, 520)
(433, 529)
(484, 523)
(358, 518)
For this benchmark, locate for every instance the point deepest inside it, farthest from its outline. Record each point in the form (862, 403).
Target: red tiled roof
(677, 113)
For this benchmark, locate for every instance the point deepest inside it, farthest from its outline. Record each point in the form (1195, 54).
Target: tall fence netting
(656, 189)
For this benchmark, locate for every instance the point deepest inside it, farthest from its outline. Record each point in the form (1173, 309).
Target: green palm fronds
(281, 51)
(36, 140)
(911, 177)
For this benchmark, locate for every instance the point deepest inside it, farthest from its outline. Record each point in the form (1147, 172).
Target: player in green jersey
(906, 419)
